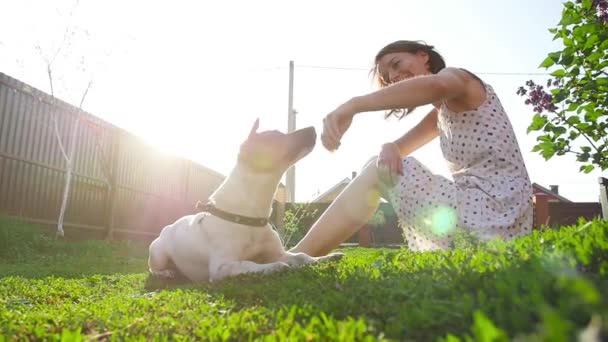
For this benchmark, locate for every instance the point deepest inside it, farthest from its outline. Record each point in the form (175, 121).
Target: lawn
(549, 286)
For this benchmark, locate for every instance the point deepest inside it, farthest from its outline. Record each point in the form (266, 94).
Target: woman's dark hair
(435, 64)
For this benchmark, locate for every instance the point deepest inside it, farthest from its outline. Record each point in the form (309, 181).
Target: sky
(190, 77)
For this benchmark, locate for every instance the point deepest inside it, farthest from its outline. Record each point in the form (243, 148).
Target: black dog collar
(244, 220)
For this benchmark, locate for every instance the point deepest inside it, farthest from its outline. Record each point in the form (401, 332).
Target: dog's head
(274, 151)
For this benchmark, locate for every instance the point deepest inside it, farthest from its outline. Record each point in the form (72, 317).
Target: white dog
(232, 235)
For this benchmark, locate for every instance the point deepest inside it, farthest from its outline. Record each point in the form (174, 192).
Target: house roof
(550, 193)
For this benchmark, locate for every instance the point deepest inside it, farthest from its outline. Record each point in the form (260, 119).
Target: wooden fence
(120, 186)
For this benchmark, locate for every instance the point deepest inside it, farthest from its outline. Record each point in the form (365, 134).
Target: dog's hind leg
(229, 269)
(159, 263)
(297, 259)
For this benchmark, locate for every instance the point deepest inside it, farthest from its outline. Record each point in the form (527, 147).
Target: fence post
(280, 217)
(111, 194)
(604, 196)
(541, 210)
(365, 236)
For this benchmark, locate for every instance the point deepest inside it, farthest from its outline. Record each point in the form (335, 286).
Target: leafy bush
(295, 224)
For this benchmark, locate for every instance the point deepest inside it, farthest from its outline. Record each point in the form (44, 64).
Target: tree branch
(86, 91)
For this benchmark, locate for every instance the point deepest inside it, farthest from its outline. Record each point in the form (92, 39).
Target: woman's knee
(370, 171)
(370, 168)
(371, 161)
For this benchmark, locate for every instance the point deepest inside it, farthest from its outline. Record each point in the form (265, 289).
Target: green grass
(544, 287)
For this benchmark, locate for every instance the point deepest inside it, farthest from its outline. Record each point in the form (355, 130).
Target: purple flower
(538, 97)
(602, 9)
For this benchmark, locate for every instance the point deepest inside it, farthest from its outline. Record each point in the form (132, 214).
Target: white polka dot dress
(491, 193)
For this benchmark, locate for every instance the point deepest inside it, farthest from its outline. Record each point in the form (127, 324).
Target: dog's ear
(255, 127)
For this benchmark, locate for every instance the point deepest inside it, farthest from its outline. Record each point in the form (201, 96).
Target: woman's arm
(425, 131)
(449, 83)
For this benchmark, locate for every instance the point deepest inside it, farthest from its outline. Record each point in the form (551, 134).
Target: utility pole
(291, 126)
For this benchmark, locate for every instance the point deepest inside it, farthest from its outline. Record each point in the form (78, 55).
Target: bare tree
(50, 59)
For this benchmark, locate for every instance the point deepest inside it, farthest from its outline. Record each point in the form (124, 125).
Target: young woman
(490, 194)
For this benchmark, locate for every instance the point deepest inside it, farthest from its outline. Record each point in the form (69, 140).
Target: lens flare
(262, 160)
(443, 221)
(372, 198)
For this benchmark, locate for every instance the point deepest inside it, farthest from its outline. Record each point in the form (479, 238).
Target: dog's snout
(311, 130)
(306, 135)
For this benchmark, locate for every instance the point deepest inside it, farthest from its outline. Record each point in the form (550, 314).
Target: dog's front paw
(332, 257)
(276, 267)
(166, 274)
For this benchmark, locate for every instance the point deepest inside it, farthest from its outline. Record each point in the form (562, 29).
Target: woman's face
(397, 66)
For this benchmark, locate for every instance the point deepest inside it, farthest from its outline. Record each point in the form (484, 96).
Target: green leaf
(592, 115)
(547, 150)
(561, 96)
(559, 130)
(548, 62)
(587, 4)
(581, 32)
(573, 135)
(555, 55)
(594, 57)
(591, 85)
(451, 338)
(583, 126)
(559, 73)
(538, 122)
(569, 17)
(567, 58)
(485, 330)
(573, 120)
(587, 168)
(571, 108)
(591, 41)
(583, 157)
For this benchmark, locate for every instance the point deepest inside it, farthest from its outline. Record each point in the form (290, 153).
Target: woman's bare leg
(353, 207)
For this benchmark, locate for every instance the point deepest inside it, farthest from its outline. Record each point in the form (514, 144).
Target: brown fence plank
(563, 214)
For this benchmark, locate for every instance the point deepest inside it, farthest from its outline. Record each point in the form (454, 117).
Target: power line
(265, 69)
(479, 73)
(514, 73)
(329, 67)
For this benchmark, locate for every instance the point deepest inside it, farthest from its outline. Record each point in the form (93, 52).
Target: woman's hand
(390, 166)
(335, 124)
